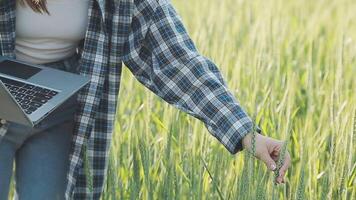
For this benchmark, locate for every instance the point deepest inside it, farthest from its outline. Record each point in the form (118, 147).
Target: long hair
(39, 6)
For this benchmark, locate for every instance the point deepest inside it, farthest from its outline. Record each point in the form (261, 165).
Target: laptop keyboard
(30, 97)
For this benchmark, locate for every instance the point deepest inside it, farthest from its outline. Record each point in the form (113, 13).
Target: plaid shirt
(149, 38)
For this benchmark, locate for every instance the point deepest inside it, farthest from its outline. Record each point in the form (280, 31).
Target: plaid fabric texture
(149, 38)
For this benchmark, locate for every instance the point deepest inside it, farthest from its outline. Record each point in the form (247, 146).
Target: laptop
(29, 92)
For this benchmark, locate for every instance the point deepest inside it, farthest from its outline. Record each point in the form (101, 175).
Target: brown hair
(39, 6)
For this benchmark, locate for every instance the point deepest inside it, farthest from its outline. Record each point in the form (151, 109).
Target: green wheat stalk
(89, 176)
(280, 161)
(212, 179)
(300, 195)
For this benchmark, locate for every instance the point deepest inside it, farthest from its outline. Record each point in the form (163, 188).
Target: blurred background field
(290, 62)
(293, 63)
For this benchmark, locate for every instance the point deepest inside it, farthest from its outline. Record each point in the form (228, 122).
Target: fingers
(274, 156)
(284, 168)
(269, 151)
(270, 163)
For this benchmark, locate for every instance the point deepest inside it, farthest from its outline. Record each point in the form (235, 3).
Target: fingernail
(273, 167)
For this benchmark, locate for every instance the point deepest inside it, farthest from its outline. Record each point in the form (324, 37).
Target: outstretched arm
(163, 57)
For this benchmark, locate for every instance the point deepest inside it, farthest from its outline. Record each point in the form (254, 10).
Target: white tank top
(43, 38)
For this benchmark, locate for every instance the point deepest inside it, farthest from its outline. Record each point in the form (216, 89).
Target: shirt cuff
(232, 139)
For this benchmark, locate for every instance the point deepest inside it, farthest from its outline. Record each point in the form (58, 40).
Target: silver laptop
(28, 93)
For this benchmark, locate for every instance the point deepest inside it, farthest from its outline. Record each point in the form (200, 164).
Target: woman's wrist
(247, 139)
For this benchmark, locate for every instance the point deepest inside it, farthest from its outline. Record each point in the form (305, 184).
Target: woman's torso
(43, 38)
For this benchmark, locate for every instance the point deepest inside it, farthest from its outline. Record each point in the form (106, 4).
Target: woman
(93, 38)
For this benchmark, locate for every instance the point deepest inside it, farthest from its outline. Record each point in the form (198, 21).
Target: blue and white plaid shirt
(149, 38)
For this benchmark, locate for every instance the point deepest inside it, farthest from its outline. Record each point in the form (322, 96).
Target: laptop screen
(18, 70)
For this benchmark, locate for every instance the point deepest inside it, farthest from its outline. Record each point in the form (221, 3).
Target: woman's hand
(268, 151)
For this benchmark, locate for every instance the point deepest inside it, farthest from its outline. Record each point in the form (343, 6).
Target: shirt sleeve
(162, 56)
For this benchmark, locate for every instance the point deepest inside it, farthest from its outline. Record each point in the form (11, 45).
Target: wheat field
(292, 65)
